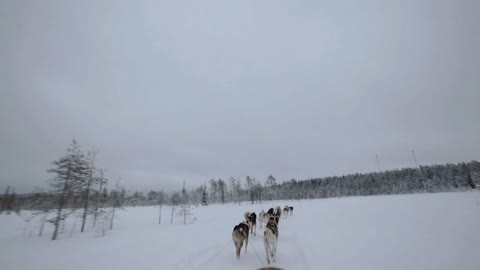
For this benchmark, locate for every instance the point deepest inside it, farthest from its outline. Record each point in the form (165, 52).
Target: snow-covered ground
(422, 231)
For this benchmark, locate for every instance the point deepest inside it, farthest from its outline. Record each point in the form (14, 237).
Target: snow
(421, 231)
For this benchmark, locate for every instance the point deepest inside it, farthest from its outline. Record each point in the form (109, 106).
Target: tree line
(425, 179)
(78, 187)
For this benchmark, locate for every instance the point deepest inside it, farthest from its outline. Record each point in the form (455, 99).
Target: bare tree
(99, 198)
(175, 200)
(214, 190)
(116, 198)
(87, 187)
(222, 187)
(161, 200)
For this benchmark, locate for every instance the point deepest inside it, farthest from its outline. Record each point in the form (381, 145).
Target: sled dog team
(248, 227)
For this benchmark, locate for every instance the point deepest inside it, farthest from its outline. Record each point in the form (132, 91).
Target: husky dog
(291, 210)
(261, 218)
(246, 216)
(270, 239)
(240, 235)
(253, 224)
(277, 213)
(251, 221)
(286, 210)
(269, 214)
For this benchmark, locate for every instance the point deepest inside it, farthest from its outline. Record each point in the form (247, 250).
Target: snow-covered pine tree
(185, 208)
(70, 172)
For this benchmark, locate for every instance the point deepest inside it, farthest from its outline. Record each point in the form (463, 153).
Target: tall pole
(416, 164)
(378, 163)
(414, 158)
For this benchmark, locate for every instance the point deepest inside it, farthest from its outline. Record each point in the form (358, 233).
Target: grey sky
(168, 91)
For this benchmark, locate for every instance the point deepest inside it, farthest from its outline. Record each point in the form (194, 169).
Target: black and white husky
(251, 220)
(270, 239)
(277, 213)
(253, 224)
(262, 217)
(270, 213)
(240, 235)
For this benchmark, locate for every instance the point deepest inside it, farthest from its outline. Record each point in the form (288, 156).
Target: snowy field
(422, 231)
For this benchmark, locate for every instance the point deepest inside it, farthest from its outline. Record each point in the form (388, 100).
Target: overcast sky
(167, 91)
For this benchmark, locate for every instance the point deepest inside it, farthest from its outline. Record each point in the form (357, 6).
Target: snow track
(290, 253)
(203, 257)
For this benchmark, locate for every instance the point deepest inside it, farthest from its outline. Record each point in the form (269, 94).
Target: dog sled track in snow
(292, 253)
(203, 257)
(298, 253)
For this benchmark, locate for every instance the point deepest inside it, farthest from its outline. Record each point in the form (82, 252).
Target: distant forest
(77, 183)
(425, 179)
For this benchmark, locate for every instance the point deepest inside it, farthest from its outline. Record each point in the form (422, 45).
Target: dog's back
(277, 214)
(244, 227)
(261, 218)
(246, 217)
(271, 239)
(238, 232)
(278, 211)
(253, 218)
(240, 235)
(252, 222)
(272, 226)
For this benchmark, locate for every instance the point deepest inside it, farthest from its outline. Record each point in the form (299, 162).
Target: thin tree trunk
(73, 227)
(160, 215)
(171, 217)
(85, 204)
(44, 219)
(60, 207)
(185, 216)
(87, 194)
(63, 224)
(113, 216)
(97, 205)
